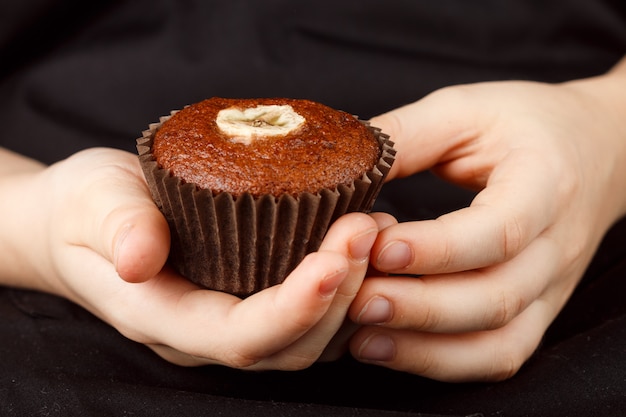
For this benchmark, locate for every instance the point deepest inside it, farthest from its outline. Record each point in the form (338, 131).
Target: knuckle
(423, 316)
(256, 361)
(446, 253)
(447, 256)
(507, 357)
(576, 251)
(240, 359)
(427, 318)
(513, 238)
(453, 93)
(298, 322)
(393, 123)
(506, 306)
(506, 365)
(428, 364)
(296, 363)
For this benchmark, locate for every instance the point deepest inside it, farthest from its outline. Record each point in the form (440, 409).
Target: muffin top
(265, 146)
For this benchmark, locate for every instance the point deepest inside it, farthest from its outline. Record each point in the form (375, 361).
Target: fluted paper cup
(244, 244)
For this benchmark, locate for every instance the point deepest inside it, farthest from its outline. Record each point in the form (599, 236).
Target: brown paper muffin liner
(245, 244)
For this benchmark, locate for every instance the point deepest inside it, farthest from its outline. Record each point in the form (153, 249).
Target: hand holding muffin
(550, 164)
(99, 223)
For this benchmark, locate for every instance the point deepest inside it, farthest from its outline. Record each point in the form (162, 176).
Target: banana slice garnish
(246, 125)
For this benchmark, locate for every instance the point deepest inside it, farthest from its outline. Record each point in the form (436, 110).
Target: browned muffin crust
(330, 148)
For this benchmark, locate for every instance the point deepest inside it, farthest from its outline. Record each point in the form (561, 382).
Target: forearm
(12, 163)
(18, 215)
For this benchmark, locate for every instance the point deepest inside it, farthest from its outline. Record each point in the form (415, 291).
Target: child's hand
(550, 164)
(89, 231)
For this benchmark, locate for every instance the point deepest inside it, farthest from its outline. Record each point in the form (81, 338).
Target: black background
(76, 74)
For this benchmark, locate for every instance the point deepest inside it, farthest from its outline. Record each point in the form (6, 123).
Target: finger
(260, 332)
(501, 221)
(141, 245)
(338, 346)
(434, 129)
(289, 325)
(383, 220)
(352, 237)
(111, 211)
(462, 302)
(487, 355)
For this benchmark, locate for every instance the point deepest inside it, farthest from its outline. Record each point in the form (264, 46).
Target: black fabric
(57, 359)
(79, 74)
(100, 76)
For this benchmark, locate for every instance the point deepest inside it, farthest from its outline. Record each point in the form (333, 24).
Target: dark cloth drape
(77, 74)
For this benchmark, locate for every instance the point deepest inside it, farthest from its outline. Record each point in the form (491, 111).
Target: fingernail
(377, 347)
(329, 285)
(361, 245)
(395, 256)
(376, 311)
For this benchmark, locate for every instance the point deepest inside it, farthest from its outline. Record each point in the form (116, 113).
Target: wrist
(21, 231)
(606, 101)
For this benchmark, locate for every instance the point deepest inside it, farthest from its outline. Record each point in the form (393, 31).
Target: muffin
(250, 186)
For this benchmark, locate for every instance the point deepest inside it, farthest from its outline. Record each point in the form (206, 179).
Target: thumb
(113, 213)
(141, 243)
(433, 130)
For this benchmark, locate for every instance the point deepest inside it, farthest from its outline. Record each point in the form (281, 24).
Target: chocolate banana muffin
(250, 186)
